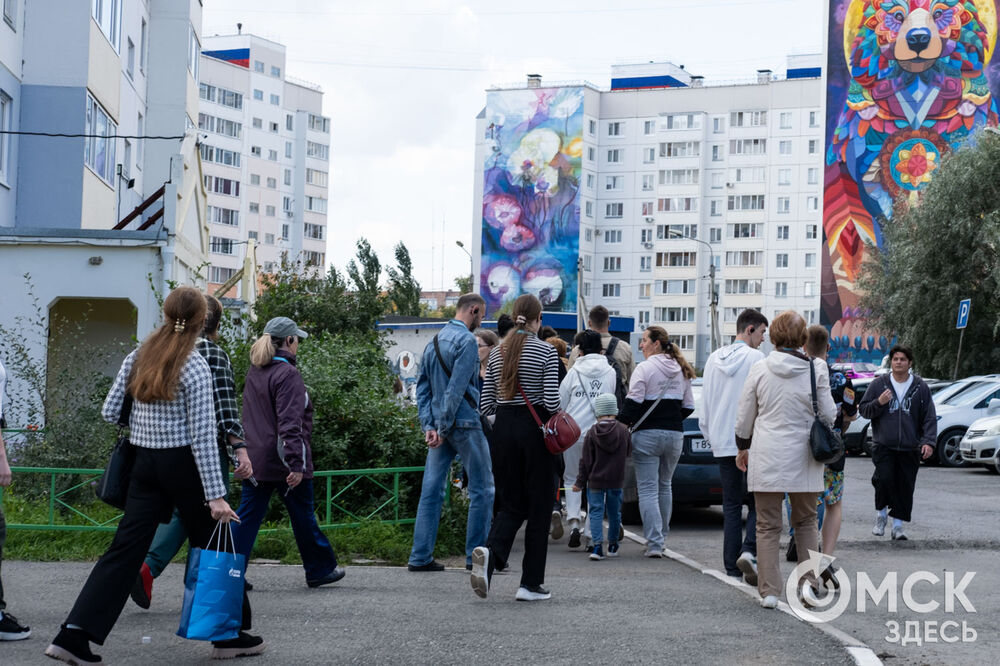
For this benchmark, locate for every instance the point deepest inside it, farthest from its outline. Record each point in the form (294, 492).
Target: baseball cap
(283, 327)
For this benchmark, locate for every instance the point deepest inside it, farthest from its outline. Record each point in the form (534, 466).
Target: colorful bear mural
(531, 202)
(907, 82)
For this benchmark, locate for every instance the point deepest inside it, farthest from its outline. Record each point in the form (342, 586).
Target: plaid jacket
(227, 409)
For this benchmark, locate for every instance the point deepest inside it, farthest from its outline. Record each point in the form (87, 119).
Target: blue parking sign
(963, 313)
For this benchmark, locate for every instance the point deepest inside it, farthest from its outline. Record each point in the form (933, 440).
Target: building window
(781, 261)
(227, 216)
(194, 52)
(313, 258)
(717, 153)
(258, 66)
(288, 149)
(275, 100)
(786, 120)
(718, 125)
(715, 235)
(276, 72)
(745, 258)
(783, 232)
(612, 236)
(587, 262)
(286, 204)
(217, 155)
(288, 174)
(645, 264)
(748, 147)
(679, 177)
(676, 259)
(683, 121)
(252, 235)
(809, 289)
(616, 128)
(643, 317)
(588, 208)
(649, 127)
(588, 234)
(812, 176)
(255, 151)
(220, 125)
(270, 211)
(224, 186)
(254, 207)
(784, 147)
(615, 156)
(715, 207)
(645, 289)
(129, 58)
(676, 231)
(107, 13)
(648, 155)
(255, 179)
(142, 45)
(258, 95)
(748, 118)
(677, 204)
(744, 230)
(810, 260)
(647, 182)
(781, 289)
(611, 290)
(273, 127)
(257, 123)
(591, 153)
(811, 230)
(680, 149)
(614, 210)
(674, 314)
(743, 286)
(784, 205)
(316, 204)
(784, 176)
(273, 156)
(675, 287)
(319, 123)
(813, 146)
(9, 13)
(747, 202)
(614, 182)
(222, 246)
(272, 183)
(222, 275)
(591, 127)
(812, 204)
(313, 231)
(99, 150)
(813, 119)
(748, 175)
(320, 151)
(289, 122)
(646, 236)
(6, 122)
(612, 264)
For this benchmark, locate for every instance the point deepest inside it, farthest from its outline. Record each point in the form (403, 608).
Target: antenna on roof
(239, 28)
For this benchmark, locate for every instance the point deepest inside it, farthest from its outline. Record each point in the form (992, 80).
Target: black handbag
(114, 483)
(483, 421)
(826, 445)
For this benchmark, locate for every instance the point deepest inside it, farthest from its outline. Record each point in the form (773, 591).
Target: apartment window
(316, 204)
(275, 100)
(284, 231)
(748, 147)
(254, 207)
(616, 128)
(811, 230)
(258, 95)
(313, 231)
(218, 155)
(747, 202)
(744, 230)
(810, 260)
(614, 183)
(649, 127)
(643, 317)
(745, 258)
(319, 123)
(129, 58)
(813, 146)
(222, 275)
(194, 51)
(781, 260)
(588, 234)
(270, 211)
(289, 122)
(783, 232)
(272, 183)
(717, 152)
(107, 14)
(142, 45)
(222, 186)
(98, 150)
(784, 205)
(682, 121)
(221, 245)
(676, 259)
(288, 149)
(590, 181)
(614, 210)
(258, 66)
(718, 125)
(781, 289)
(275, 71)
(648, 207)
(273, 156)
(743, 286)
(679, 177)
(591, 153)
(809, 289)
(715, 207)
(273, 127)
(812, 176)
(676, 231)
(647, 182)
(591, 127)
(227, 216)
(255, 151)
(320, 151)
(645, 289)
(812, 204)
(9, 16)
(646, 236)
(220, 125)
(612, 236)
(786, 120)
(257, 123)
(252, 235)
(255, 179)
(677, 204)
(813, 119)
(715, 235)
(288, 175)
(589, 208)
(675, 287)
(648, 155)
(748, 118)
(615, 156)
(675, 314)
(587, 262)
(286, 204)
(784, 176)
(6, 115)
(612, 264)
(313, 258)
(645, 264)
(784, 147)
(680, 149)
(748, 175)
(268, 239)
(611, 290)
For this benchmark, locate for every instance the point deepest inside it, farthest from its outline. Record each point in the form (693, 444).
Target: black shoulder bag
(114, 483)
(826, 445)
(487, 428)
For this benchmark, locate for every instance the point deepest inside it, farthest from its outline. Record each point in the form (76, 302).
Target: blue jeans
(318, 557)
(734, 496)
(599, 501)
(470, 445)
(655, 454)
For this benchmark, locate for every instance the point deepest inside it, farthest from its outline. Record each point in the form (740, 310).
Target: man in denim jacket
(447, 401)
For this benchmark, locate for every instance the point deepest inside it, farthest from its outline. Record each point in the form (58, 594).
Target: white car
(982, 440)
(956, 412)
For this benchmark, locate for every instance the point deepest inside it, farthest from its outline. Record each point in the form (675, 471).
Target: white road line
(859, 652)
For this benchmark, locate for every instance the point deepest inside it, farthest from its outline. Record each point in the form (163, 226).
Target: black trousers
(162, 479)
(525, 476)
(894, 479)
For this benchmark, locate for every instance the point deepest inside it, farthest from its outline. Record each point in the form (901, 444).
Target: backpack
(621, 388)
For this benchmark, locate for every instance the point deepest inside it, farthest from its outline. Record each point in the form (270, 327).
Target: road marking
(858, 651)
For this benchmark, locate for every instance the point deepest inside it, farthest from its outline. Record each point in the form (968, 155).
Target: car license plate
(699, 445)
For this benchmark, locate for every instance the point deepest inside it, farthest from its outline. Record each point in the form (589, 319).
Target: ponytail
(659, 334)
(263, 350)
(527, 308)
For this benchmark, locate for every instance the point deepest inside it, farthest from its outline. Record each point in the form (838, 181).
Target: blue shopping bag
(213, 590)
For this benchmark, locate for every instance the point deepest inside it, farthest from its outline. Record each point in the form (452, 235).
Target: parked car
(981, 443)
(957, 412)
(696, 479)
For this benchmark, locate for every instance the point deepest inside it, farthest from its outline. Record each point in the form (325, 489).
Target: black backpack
(621, 388)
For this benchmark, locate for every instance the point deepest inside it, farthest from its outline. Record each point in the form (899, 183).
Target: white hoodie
(598, 377)
(725, 372)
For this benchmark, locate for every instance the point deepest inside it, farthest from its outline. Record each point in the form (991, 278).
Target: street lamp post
(472, 285)
(714, 299)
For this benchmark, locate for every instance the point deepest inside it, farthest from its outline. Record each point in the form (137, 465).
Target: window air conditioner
(650, 219)
(730, 184)
(647, 245)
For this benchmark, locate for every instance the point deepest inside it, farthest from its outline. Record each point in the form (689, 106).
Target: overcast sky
(404, 81)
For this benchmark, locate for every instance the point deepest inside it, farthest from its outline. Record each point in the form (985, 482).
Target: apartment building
(265, 151)
(674, 173)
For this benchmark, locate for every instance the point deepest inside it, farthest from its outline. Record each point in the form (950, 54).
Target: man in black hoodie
(904, 430)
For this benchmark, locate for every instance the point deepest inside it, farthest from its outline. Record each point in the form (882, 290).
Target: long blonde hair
(526, 308)
(659, 334)
(157, 368)
(264, 349)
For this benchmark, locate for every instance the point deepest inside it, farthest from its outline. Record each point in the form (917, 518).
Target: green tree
(404, 290)
(464, 284)
(365, 274)
(938, 252)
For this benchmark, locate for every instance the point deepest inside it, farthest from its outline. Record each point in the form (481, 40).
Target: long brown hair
(659, 334)
(157, 369)
(527, 308)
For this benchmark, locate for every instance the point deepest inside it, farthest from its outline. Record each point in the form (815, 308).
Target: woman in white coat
(772, 432)
(590, 376)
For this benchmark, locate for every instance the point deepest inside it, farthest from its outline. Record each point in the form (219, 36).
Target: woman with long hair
(278, 418)
(659, 399)
(522, 367)
(486, 340)
(173, 429)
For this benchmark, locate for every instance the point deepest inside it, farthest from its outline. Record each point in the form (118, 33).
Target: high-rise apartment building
(265, 151)
(665, 174)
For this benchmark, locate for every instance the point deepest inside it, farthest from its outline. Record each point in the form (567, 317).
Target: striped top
(538, 372)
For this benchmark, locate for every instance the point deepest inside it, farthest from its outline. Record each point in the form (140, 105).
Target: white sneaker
(747, 563)
(770, 601)
(653, 552)
(898, 534)
(480, 578)
(536, 593)
(880, 520)
(557, 527)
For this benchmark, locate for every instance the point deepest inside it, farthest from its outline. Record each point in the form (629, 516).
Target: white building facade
(677, 172)
(265, 152)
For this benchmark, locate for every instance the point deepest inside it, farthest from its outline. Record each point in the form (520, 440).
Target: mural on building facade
(531, 203)
(907, 82)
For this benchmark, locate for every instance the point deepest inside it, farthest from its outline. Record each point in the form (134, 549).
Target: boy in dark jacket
(602, 471)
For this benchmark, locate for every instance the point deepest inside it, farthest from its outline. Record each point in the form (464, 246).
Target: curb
(858, 651)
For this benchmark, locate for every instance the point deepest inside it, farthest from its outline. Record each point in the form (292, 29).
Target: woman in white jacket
(589, 377)
(774, 418)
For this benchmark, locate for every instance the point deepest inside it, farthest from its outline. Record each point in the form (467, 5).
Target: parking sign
(963, 313)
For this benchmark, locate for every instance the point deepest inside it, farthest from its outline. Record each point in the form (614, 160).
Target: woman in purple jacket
(278, 418)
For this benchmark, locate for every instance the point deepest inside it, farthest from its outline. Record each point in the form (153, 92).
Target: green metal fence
(72, 508)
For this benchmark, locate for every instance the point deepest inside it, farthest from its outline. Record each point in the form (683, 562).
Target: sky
(403, 82)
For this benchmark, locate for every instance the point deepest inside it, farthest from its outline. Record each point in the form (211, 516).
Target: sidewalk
(625, 610)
